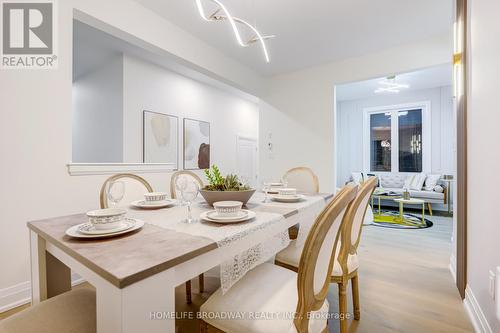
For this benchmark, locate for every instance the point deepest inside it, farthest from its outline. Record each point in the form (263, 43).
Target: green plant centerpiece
(228, 188)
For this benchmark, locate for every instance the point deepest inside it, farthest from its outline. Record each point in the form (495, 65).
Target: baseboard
(475, 313)
(20, 294)
(15, 296)
(453, 267)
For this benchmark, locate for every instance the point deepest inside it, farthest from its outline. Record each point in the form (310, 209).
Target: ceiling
(312, 32)
(438, 76)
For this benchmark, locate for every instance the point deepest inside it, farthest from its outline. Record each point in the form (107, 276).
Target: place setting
(286, 195)
(154, 200)
(103, 223)
(226, 212)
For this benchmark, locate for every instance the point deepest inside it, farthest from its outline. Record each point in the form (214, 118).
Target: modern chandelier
(222, 14)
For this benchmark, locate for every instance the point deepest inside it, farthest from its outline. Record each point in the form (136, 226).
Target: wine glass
(115, 192)
(189, 192)
(180, 185)
(266, 186)
(284, 181)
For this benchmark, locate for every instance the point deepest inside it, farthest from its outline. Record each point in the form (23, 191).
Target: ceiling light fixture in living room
(390, 85)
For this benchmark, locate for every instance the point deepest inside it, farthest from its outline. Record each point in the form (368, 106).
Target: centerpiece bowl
(228, 188)
(214, 196)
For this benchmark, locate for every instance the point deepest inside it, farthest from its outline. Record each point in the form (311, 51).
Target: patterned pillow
(408, 182)
(418, 182)
(431, 182)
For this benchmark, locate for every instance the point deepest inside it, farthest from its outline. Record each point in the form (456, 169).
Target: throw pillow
(431, 182)
(408, 181)
(357, 177)
(418, 182)
(438, 189)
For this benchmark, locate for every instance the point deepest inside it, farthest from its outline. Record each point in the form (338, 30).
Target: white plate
(89, 228)
(215, 216)
(73, 231)
(287, 198)
(152, 205)
(250, 215)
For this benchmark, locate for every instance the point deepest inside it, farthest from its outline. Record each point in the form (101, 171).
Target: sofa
(427, 187)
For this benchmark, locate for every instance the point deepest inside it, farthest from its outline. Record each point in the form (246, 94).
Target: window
(410, 140)
(380, 142)
(397, 138)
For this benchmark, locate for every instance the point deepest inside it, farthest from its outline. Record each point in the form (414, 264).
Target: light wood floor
(405, 284)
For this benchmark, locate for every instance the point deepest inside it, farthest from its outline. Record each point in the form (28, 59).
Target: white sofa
(395, 182)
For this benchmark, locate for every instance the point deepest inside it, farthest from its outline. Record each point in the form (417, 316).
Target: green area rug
(391, 219)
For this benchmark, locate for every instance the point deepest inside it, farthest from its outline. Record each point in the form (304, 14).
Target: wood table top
(133, 256)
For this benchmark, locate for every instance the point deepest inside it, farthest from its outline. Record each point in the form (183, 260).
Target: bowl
(228, 208)
(213, 196)
(155, 196)
(108, 218)
(287, 191)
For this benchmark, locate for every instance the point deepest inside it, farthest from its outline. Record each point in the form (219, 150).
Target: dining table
(135, 274)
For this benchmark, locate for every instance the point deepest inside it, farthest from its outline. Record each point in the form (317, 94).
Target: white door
(247, 152)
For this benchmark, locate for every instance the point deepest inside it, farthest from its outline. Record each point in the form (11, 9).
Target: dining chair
(346, 262)
(292, 302)
(135, 187)
(173, 194)
(70, 312)
(303, 179)
(176, 175)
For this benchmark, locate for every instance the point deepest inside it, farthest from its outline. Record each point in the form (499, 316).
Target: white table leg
(145, 306)
(38, 268)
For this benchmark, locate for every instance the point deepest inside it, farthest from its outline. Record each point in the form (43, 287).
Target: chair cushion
(427, 195)
(291, 256)
(71, 312)
(267, 290)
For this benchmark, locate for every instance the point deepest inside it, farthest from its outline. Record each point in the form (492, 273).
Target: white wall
(350, 116)
(98, 115)
(483, 161)
(300, 105)
(36, 126)
(152, 88)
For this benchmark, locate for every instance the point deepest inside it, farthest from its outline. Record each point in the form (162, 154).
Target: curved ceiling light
(233, 20)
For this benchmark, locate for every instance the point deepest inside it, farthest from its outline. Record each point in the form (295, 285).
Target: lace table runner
(223, 234)
(309, 209)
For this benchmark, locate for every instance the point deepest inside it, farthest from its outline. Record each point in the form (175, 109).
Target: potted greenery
(227, 188)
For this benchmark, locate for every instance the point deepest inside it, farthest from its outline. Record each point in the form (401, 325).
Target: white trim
(15, 296)
(20, 294)
(453, 267)
(239, 138)
(80, 169)
(475, 313)
(426, 134)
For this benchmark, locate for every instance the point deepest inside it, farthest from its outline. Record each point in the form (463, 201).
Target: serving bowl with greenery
(228, 188)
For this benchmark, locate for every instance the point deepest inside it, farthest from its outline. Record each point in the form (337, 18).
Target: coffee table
(383, 196)
(411, 201)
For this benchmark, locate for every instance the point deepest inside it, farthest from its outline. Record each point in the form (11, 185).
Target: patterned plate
(250, 215)
(153, 205)
(89, 228)
(215, 216)
(73, 231)
(287, 198)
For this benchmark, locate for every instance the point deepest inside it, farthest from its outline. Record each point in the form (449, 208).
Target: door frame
(461, 84)
(256, 162)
